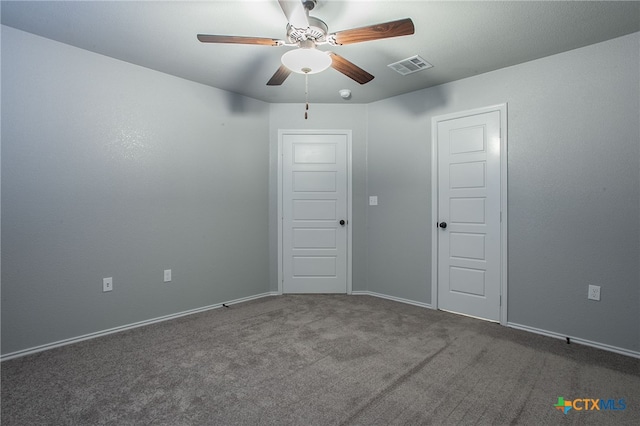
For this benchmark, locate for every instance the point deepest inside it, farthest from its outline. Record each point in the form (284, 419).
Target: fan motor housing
(317, 31)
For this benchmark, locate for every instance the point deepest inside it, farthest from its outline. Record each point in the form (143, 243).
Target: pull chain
(306, 95)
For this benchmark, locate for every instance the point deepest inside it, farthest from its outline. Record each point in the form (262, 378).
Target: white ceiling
(460, 39)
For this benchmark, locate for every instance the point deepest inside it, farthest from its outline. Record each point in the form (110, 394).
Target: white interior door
(469, 215)
(314, 213)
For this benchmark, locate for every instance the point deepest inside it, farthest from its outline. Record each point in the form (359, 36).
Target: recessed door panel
(314, 238)
(310, 153)
(467, 175)
(467, 139)
(467, 210)
(467, 246)
(314, 266)
(467, 281)
(314, 210)
(314, 181)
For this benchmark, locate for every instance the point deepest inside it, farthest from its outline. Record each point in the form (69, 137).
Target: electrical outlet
(594, 292)
(107, 284)
(167, 275)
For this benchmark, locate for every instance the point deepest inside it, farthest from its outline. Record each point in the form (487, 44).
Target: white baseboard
(396, 299)
(578, 340)
(72, 340)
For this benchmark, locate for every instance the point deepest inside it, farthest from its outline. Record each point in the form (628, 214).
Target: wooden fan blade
(295, 13)
(206, 38)
(398, 28)
(349, 69)
(279, 77)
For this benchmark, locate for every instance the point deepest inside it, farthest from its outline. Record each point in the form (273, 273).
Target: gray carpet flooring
(318, 360)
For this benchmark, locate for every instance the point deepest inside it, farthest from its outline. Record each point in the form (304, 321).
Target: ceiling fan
(306, 32)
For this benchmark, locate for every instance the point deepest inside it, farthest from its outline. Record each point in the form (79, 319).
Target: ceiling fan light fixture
(306, 61)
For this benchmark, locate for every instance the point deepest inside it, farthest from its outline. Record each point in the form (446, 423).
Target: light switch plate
(167, 275)
(107, 284)
(373, 200)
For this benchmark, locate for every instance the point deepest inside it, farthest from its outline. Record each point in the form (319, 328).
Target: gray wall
(110, 169)
(574, 189)
(332, 117)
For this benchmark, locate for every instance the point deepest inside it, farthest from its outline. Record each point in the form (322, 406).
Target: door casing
(347, 133)
(502, 109)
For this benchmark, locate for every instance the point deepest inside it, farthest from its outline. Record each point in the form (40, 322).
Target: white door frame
(347, 133)
(502, 109)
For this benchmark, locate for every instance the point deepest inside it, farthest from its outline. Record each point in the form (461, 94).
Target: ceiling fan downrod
(309, 4)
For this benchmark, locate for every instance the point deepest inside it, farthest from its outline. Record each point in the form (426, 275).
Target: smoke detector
(410, 65)
(345, 93)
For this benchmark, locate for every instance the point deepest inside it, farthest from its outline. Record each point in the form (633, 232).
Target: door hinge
(500, 300)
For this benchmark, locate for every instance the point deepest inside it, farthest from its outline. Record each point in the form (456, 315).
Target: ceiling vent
(410, 65)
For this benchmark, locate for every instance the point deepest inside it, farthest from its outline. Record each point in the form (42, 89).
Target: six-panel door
(314, 202)
(469, 204)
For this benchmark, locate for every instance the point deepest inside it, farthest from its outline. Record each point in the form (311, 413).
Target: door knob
(442, 225)
(342, 222)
